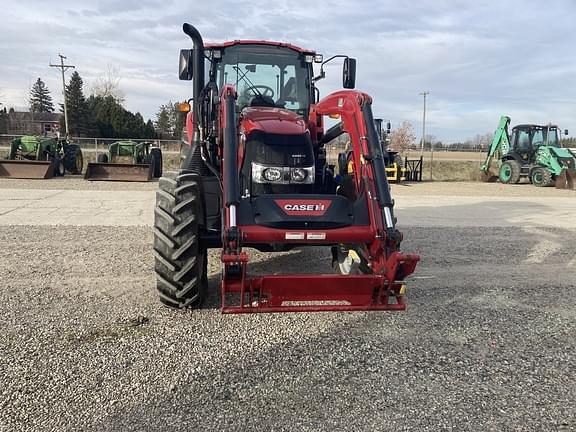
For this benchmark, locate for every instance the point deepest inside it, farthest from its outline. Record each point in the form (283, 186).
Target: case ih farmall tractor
(255, 175)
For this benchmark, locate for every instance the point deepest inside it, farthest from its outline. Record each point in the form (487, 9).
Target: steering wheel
(266, 91)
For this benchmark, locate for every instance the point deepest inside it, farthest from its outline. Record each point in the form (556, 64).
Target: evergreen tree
(79, 119)
(149, 131)
(112, 120)
(3, 121)
(163, 122)
(40, 99)
(170, 121)
(178, 120)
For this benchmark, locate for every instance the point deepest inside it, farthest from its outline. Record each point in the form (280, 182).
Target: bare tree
(403, 138)
(108, 84)
(480, 141)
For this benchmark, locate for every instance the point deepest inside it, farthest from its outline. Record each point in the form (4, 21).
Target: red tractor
(255, 175)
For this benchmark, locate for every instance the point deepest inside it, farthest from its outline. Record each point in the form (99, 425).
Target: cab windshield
(545, 136)
(266, 76)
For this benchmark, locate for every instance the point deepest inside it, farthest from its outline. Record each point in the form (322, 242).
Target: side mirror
(388, 127)
(349, 73)
(565, 131)
(185, 64)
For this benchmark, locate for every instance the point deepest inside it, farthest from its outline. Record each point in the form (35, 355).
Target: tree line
(102, 114)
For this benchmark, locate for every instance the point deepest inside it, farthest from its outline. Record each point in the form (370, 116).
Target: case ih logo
(304, 207)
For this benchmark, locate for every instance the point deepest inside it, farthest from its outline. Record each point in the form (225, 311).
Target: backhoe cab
(255, 175)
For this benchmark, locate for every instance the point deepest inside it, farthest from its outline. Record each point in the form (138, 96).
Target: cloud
(479, 60)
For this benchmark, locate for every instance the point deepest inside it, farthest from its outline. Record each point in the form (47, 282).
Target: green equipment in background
(533, 152)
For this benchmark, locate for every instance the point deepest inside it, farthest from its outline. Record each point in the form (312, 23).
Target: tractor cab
(274, 86)
(266, 75)
(527, 138)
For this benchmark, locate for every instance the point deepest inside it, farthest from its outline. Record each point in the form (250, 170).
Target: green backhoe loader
(533, 152)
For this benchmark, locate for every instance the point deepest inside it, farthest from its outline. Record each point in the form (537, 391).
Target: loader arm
(381, 289)
(500, 143)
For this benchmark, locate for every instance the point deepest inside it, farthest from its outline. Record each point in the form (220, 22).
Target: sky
(478, 59)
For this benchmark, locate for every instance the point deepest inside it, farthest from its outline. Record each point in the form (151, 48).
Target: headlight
(282, 175)
(298, 175)
(272, 174)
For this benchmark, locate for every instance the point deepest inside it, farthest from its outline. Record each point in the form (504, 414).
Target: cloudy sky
(478, 59)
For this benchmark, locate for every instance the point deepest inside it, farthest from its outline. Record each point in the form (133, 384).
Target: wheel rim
(505, 172)
(537, 177)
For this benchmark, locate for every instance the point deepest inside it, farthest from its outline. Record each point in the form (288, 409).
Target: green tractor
(127, 161)
(533, 152)
(41, 157)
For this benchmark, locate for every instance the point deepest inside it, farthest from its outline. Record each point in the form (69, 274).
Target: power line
(63, 68)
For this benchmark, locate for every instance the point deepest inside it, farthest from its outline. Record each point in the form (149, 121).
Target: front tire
(541, 177)
(180, 259)
(58, 164)
(156, 154)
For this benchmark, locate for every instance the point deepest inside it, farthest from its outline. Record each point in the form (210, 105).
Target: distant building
(28, 123)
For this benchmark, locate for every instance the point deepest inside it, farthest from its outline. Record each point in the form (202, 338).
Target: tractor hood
(271, 120)
(562, 152)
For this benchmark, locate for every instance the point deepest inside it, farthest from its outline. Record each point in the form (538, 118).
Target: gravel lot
(488, 341)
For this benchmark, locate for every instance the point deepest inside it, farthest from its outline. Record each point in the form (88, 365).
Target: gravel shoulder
(486, 344)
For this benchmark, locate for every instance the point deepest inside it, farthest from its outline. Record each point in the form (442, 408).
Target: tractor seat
(262, 101)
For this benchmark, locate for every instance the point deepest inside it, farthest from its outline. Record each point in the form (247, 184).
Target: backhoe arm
(499, 142)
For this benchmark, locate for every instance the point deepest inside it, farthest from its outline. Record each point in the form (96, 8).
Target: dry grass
(452, 170)
(450, 155)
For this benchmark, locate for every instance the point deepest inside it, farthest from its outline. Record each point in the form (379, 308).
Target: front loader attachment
(119, 172)
(26, 169)
(316, 293)
(566, 179)
(316, 219)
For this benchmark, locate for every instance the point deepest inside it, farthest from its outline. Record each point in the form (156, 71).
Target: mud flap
(26, 169)
(566, 179)
(119, 172)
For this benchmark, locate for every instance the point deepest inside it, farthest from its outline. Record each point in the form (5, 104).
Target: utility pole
(63, 68)
(425, 93)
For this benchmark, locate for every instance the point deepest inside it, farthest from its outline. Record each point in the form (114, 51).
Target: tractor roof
(259, 42)
(533, 126)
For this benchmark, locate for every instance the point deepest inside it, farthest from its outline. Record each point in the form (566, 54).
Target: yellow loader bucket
(118, 172)
(566, 179)
(26, 169)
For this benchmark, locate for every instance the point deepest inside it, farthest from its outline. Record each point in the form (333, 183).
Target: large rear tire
(180, 262)
(73, 159)
(510, 172)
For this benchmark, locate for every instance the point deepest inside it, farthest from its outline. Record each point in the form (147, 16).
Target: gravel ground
(486, 344)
